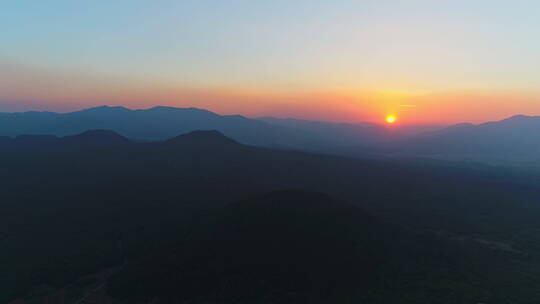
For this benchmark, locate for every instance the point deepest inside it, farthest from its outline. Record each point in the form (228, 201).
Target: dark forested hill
(301, 247)
(284, 246)
(66, 210)
(88, 139)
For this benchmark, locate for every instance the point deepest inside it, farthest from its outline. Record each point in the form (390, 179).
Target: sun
(390, 119)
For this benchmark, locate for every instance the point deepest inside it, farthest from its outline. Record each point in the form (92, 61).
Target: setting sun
(390, 119)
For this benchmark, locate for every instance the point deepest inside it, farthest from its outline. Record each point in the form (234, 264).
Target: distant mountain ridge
(157, 123)
(91, 138)
(344, 134)
(160, 123)
(202, 138)
(515, 138)
(509, 140)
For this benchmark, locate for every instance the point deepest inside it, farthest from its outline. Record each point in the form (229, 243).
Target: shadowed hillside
(88, 139)
(299, 247)
(71, 212)
(285, 247)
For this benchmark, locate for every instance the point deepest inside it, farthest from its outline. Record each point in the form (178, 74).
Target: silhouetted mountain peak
(236, 116)
(518, 120)
(157, 123)
(96, 137)
(202, 137)
(519, 117)
(165, 109)
(104, 109)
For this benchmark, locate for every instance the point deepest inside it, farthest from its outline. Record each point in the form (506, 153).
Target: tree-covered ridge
(461, 232)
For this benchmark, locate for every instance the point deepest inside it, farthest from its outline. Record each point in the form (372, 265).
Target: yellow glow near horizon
(390, 119)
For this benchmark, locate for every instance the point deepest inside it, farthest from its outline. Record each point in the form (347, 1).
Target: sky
(426, 62)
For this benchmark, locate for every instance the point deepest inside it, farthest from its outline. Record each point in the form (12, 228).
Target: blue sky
(289, 48)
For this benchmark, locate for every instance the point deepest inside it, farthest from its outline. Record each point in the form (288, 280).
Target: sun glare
(390, 119)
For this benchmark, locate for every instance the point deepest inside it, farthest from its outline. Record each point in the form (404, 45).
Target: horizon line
(253, 117)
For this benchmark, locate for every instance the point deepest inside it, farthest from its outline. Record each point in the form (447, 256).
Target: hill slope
(301, 247)
(69, 212)
(284, 246)
(88, 139)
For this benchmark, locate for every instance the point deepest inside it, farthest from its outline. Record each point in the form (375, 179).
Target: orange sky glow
(346, 106)
(426, 62)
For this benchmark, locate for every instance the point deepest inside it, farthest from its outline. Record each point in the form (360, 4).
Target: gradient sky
(424, 61)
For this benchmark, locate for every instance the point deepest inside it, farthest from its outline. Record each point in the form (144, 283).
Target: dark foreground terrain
(201, 218)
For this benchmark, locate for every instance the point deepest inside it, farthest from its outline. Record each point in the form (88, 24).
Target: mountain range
(157, 123)
(512, 139)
